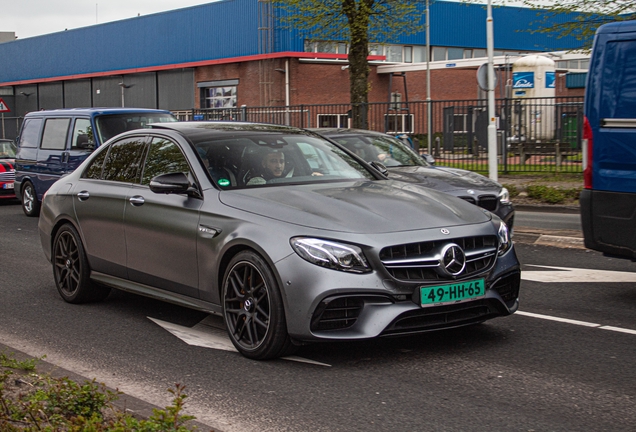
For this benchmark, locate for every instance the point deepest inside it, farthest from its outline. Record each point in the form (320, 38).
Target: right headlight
(504, 196)
(330, 254)
(505, 241)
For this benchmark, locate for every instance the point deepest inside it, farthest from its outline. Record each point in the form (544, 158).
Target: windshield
(7, 150)
(113, 124)
(386, 149)
(276, 160)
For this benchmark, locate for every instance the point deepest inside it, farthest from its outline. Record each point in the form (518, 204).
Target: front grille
(337, 313)
(7, 176)
(488, 202)
(421, 261)
(443, 317)
(508, 287)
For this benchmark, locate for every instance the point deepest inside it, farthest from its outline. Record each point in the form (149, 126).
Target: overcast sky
(29, 18)
(36, 17)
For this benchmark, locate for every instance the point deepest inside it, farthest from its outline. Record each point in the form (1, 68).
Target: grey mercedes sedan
(290, 237)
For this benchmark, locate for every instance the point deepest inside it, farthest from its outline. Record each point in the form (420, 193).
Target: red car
(7, 169)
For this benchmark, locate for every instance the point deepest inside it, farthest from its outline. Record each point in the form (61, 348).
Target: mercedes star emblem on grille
(445, 231)
(453, 260)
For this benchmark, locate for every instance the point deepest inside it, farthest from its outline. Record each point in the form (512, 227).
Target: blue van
(608, 200)
(53, 143)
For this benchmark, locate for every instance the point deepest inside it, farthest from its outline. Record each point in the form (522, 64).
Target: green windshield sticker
(223, 182)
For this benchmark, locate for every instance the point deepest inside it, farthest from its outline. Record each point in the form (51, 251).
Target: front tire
(71, 270)
(253, 308)
(30, 202)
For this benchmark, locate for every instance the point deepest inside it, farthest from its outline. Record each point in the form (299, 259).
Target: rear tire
(253, 308)
(30, 202)
(71, 270)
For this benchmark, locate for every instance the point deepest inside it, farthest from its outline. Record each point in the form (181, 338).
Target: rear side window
(30, 133)
(619, 80)
(55, 133)
(123, 160)
(94, 168)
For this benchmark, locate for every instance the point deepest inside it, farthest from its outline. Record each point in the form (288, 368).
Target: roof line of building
(286, 54)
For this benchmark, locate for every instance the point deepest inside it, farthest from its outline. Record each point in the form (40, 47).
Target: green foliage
(356, 22)
(512, 190)
(30, 402)
(10, 362)
(552, 195)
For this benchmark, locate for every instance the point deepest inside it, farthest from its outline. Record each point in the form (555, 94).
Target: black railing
(533, 134)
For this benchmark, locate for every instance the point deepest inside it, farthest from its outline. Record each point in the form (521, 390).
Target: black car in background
(406, 165)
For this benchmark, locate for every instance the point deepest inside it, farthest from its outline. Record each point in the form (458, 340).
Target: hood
(357, 207)
(449, 180)
(7, 165)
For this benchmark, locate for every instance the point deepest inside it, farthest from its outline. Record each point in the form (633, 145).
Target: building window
(394, 53)
(439, 53)
(333, 121)
(218, 94)
(419, 54)
(399, 123)
(455, 53)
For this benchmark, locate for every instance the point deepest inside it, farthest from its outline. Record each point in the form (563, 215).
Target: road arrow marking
(567, 274)
(210, 333)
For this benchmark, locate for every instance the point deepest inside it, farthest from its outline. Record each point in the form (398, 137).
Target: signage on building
(4, 107)
(522, 80)
(550, 78)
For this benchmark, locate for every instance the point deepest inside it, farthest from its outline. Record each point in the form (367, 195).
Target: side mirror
(380, 167)
(172, 183)
(428, 158)
(83, 142)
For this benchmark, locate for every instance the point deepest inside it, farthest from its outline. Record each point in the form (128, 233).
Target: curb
(546, 208)
(138, 408)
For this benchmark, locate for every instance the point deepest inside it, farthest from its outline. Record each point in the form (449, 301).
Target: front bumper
(324, 304)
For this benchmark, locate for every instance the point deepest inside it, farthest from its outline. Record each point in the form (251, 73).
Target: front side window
(82, 135)
(55, 134)
(164, 157)
(123, 160)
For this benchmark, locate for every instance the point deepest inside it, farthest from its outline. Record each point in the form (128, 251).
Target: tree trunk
(358, 63)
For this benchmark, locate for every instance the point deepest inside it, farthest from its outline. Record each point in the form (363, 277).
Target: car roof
(92, 112)
(222, 128)
(345, 132)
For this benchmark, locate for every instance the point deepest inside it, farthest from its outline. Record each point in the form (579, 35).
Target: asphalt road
(548, 220)
(520, 373)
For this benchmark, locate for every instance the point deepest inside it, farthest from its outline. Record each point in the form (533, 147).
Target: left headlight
(330, 254)
(505, 241)
(504, 196)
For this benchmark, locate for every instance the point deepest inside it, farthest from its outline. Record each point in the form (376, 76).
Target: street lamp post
(429, 131)
(492, 128)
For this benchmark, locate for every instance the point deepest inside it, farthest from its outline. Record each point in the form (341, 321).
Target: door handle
(137, 200)
(83, 195)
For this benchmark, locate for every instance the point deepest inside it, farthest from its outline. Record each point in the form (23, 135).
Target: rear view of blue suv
(54, 143)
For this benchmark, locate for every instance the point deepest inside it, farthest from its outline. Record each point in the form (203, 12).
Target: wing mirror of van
(84, 142)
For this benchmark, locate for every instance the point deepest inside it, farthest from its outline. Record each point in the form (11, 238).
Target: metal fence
(533, 134)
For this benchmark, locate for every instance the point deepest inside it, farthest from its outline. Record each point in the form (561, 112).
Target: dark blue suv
(55, 142)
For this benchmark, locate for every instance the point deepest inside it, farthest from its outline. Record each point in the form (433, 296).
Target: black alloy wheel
(71, 270)
(253, 308)
(30, 202)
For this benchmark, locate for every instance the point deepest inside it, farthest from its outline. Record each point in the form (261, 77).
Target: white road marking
(567, 274)
(207, 334)
(576, 322)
